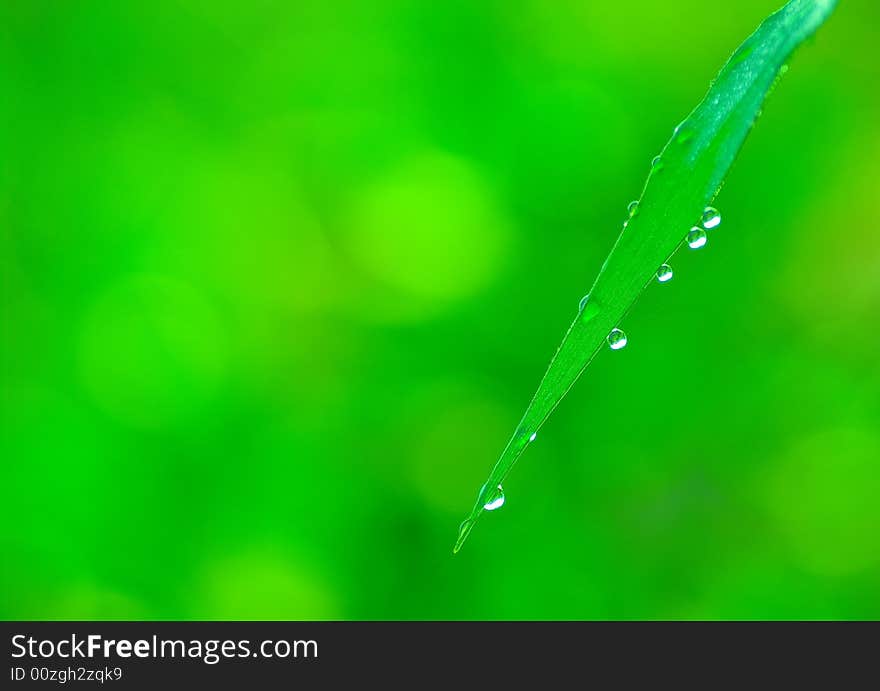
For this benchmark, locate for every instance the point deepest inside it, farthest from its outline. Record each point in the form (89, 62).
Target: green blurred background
(279, 279)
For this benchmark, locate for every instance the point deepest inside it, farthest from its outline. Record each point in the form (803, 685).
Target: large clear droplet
(632, 208)
(664, 273)
(616, 339)
(696, 238)
(711, 218)
(495, 500)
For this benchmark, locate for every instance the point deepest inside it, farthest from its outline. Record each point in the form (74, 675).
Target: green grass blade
(689, 174)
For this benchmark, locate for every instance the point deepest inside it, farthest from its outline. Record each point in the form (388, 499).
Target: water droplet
(783, 69)
(533, 437)
(495, 499)
(616, 339)
(683, 133)
(657, 163)
(711, 218)
(463, 531)
(588, 308)
(696, 238)
(633, 208)
(741, 54)
(664, 273)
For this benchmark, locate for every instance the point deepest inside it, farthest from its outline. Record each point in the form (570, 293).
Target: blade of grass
(685, 179)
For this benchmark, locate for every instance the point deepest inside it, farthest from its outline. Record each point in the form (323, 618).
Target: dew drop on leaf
(463, 530)
(495, 500)
(696, 238)
(664, 273)
(588, 308)
(616, 339)
(683, 133)
(711, 218)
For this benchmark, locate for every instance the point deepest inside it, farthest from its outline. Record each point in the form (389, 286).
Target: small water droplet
(588, 308)
(711, 218)
(696, 238)
(664, 273)
(495, 499)
(616, 339)
(463, 531)
(656, 163)
(632, 208)
(783, 69)
(683, 133)
(741, 54)
(533, 437)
